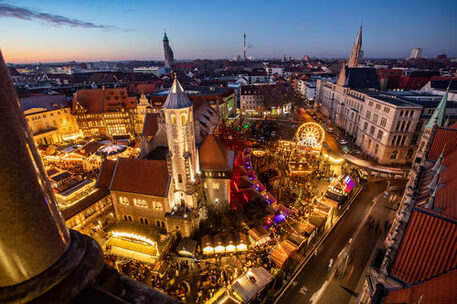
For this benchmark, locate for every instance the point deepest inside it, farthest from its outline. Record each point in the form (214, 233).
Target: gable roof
(214, 155)
(48, 102)
(444, 138)
(148, 177)
(103, 100)
(428, 248)
(151, 125)
(362, 78)
(441, 289)
(106, 174)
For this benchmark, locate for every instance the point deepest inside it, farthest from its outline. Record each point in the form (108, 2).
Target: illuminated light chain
(134, 236)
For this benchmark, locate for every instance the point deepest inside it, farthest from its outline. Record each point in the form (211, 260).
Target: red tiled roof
(444, 138)
(441, 289)
(103, 100)
(149, 177)
(150, 124)
(106, 174)
(214, 155)
(428, 248)
(446, 199)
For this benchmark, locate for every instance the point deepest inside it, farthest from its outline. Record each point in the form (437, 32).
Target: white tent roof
(249, 284)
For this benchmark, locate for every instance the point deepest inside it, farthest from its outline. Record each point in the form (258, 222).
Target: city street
(310, 284)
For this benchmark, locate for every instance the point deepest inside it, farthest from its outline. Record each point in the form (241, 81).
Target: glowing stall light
(230, 248)
(219, 249)
(208, 250)
(242, 247)
(134, 236)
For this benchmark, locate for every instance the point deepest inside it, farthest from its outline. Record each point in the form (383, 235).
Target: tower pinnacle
(355, 53)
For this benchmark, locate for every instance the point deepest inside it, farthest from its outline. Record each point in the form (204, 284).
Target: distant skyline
(57, 31)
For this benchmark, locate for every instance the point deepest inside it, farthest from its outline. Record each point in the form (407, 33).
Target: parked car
(330, 130)
(343, 142)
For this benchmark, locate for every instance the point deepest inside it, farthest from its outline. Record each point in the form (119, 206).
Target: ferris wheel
(310, 134)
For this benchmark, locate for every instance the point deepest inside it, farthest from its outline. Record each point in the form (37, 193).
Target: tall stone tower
(355, 53)
(167, 51)
(179, 121)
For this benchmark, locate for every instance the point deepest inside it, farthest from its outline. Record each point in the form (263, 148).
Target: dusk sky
(86, 30)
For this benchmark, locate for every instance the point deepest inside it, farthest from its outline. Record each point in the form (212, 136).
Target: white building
(156, 70)
(385, 125)
(416, 53)
(251, 100)
(274, 70)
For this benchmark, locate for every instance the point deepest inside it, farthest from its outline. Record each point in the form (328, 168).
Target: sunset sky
(50, 31)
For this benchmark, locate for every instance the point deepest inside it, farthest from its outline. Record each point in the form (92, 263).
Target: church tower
(179, 121)
(167, 51)
(355, 53)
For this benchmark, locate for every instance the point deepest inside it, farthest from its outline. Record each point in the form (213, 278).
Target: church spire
(176, 98)
(355, 53)
(437, 119)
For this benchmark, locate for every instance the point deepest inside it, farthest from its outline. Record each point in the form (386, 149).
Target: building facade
(49, 118)
(104, 112)
(216, 167)
(386, 125)
(251, 100)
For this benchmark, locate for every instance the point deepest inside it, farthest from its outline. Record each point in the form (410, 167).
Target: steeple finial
(437, 119)
(434, 183)
(437, 165)
(431, 201)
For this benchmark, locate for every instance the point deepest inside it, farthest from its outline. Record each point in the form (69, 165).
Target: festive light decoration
(135, 237)
(310, 134)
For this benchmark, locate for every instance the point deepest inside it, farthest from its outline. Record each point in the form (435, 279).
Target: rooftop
(44, 101)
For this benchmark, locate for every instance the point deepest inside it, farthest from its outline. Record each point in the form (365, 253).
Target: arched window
(173, 119)
(183, 119)
(179, 178)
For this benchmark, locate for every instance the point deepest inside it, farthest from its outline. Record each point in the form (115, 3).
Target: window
(386, 109)
(375, 118)
(123, 200)
(215, 185)
(394, 139)
(183, 119)
(372, 129)
(394, 154)
(140, 202)
(158, 205)
(370, 103)
(380, 134)
(403, 140)
(365, 126)
(368, 116)
(179, 178)
(378, 107)
(383, 122)
(173, 119)
(376, 148)
(408, 124)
